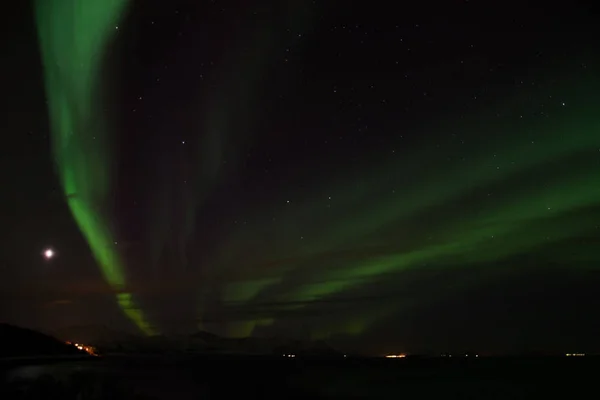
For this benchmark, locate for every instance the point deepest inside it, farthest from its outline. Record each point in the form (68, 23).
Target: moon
(48, 254)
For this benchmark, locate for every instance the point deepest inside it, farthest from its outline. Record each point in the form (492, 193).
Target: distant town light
(396, 356)
(88, 349)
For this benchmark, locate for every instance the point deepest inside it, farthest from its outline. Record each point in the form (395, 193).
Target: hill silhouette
(97, 335)
(22, 342)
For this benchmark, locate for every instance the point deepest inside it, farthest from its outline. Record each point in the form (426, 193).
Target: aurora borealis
(73, 38)
(319, 172)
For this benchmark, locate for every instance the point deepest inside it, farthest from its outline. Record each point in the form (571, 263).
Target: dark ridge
(21, 342)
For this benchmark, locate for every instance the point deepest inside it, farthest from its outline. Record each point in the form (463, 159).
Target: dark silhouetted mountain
(208, 342)
(206, 336)
(96, 335)
(107, 340)
(21, 342)
(307, 349)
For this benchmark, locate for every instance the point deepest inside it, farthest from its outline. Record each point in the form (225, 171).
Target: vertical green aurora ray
(73, 36)
(230, 120)
(231, 112)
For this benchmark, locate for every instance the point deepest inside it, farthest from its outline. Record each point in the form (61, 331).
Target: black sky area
(224, 113)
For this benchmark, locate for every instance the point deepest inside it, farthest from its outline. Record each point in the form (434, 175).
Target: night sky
(420, 177)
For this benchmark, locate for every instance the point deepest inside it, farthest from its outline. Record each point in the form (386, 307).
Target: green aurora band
(520, 187)
(512, 195)
(74, 36)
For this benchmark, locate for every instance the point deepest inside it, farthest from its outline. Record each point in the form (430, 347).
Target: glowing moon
(48, 254)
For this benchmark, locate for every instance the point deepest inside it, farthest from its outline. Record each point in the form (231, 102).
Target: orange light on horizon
(88, 349)
(396, 355)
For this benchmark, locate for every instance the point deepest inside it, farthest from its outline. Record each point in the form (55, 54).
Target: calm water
(216, 378)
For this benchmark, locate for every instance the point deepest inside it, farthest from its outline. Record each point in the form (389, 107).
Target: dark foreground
(145, 377)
